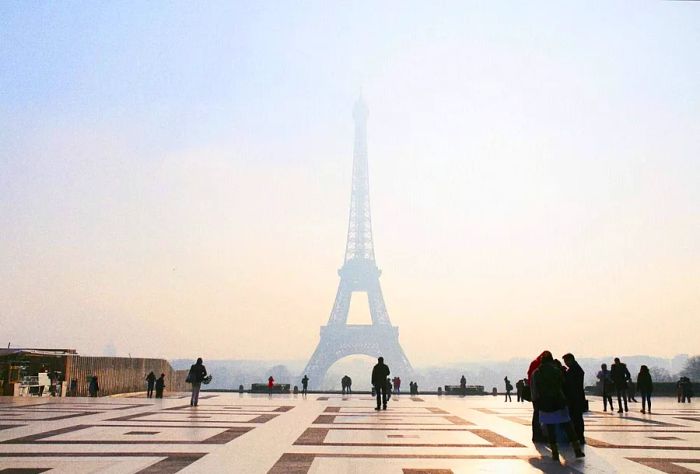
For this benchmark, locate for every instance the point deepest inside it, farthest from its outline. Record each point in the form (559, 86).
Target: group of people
(684, 389)
(158, 384)
(558, 400)
(346, 385)
(618, 380)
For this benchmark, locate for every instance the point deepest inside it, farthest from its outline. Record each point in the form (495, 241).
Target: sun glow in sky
(175, 180)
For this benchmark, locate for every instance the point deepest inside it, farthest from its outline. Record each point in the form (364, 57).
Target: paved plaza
(241, 433)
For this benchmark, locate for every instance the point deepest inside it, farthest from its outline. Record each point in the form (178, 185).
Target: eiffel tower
(358, 274)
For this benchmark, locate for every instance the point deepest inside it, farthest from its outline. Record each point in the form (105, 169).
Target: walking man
(196, 376)
(620, 376)
(380, 374)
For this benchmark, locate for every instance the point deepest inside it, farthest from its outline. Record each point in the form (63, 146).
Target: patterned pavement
(329, 434)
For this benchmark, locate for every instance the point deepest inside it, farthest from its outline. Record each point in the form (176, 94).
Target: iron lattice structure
(359, 273)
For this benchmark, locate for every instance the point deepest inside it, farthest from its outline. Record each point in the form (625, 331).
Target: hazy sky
(175, 177)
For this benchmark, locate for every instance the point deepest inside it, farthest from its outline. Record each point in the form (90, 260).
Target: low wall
(121, 374)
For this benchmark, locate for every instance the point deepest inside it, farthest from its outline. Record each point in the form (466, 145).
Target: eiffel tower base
(342, 340)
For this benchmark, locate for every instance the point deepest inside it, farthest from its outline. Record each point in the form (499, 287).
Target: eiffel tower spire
(359, 243)
(359, 273)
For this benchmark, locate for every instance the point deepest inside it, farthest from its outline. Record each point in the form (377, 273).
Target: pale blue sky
(164, 162)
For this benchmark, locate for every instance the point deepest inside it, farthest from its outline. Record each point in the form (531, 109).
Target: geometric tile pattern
(288, 434)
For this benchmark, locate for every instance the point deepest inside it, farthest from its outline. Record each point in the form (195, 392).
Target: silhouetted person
(645, 387)
(380, 373)
(160, 386)
(397, 385)
(344, 384)
(349, 387)
(509, 388)
(304, 385)
(463, 385)
(547, 392)
(620, 376)
(270, 385)
(686, 389)
(150, 382)
(196, 376)
(537, 435)
(519, 390)
(575, 395)
(93, 386)
(415, 388)
(606, 386)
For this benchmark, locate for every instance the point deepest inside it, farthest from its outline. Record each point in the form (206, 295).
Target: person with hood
(575, 395)
(380, 374)
(548, 392)
(645, 387)
(537, 435)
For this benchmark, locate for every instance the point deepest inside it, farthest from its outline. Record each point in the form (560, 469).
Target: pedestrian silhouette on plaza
(686, 389)
(345, 384)
(397, 385)
(606, 386)
(304, 385)
(150, 382)
(380, 374)
(547, 392)
(537, 435)
(645, 387)
(160, 386)
(575, 394)
(463, 385)
(620, 377)
(519, 390)
(270, 385)
(509, 388)
(93, 386)
(195, 377)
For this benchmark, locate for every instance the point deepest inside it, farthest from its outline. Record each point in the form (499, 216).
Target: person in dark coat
(645, 387)
(620, 376)
(686, 389)
(537, 435)
(196, 376)
(304, 385)
(548, 392)
(160, 386)
(380, 373)
(150, 382)
(575, 395)
(606, 386)
(93, 387)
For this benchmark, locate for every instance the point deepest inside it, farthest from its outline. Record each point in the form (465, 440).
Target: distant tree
(659, 374)
(692, 369)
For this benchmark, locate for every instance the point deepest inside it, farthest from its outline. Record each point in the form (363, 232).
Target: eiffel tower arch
(359, 273)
